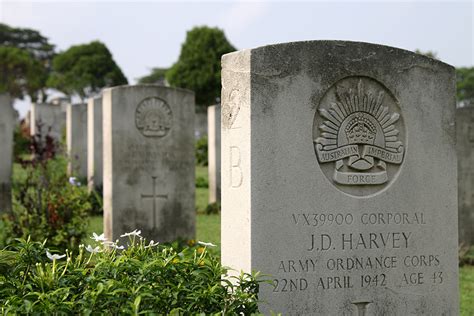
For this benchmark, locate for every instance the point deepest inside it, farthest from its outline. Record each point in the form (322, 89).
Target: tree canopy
(429, 53)
(85, 69)
(28, 39)
(21, 73)
(199, 65)
(26, 61)
(465, 85)
(157, 75)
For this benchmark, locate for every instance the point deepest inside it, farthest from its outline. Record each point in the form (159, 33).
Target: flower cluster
(73, 181)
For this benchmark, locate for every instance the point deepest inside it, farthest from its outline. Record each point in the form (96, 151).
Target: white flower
(54, 257)
(118, 247)
(100, 237)
(206, 244)
(92, 250)
(152, 244)
(73, 181)
(134, 233)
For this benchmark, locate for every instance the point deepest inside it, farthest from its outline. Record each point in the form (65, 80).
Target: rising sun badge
(358, 132)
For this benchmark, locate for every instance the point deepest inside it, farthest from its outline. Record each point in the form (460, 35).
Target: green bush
(201, 151)
(213, 208)
(201, 182)
(47, 205)
(96, 201)
(144, 278)
(21, 143)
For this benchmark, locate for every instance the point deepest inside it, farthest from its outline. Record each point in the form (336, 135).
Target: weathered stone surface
(7, 125)
(149, 162)
(51, 118)
(465, 149)
(340, 178)
(76, 138)
(94, 143)
(214, 152)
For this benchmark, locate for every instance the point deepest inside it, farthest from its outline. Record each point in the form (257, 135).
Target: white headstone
(340, 178)
(76, 138)
(94, 143)
(214, 152)
(7, 125)
(50, 117)
(149, 162)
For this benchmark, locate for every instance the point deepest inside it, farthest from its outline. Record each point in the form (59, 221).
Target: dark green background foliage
(21, 73)
(25, 62)
(27, 39)
(21, 143)
(201, 151)
(465, 85)
(199, 65)
(157, 76)
(85, 69)
(157, 280)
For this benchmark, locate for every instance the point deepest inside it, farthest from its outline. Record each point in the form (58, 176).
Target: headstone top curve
(145, 86)
(344, 44)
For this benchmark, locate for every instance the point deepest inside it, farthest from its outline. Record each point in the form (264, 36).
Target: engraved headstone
(214, 152)
(7, 125)
(51, 118)
(76, 139)
(340, 178)
(465, 150)
(149, 162)
(94, 143)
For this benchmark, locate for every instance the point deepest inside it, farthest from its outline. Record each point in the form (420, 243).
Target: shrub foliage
(46, 203)
(145, 278)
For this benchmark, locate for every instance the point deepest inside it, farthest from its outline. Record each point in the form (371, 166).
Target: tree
(84, 70)
(199, 65)
(21, 73)
(33, 71)
(464, 81)
(431, 54)
(157, 75)
(28, 39)
(465, 85)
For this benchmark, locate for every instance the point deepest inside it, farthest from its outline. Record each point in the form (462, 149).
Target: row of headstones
(338, 168)
(159, 146)
(136, 143)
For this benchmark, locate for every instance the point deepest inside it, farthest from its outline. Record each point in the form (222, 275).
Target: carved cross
(361, 307)
(154, 196)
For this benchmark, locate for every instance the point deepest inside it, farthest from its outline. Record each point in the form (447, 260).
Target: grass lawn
(202, 194)
(466, 284)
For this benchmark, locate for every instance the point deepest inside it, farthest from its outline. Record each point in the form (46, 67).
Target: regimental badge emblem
(153, 117)
(231, 108)
(359, 135)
